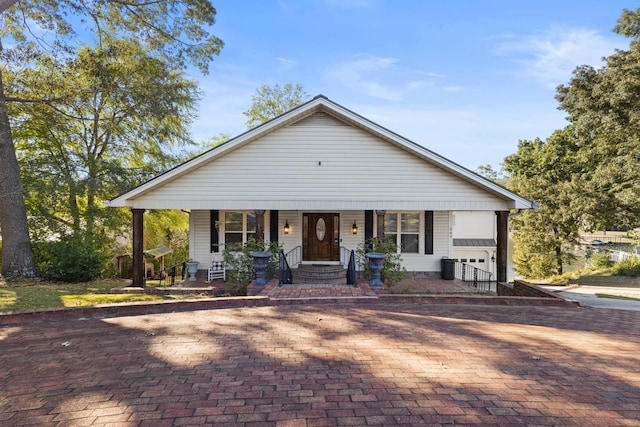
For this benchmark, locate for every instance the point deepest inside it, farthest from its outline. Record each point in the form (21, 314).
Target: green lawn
(30, 295)
(615, 296)
(591, 278)
(607, 279)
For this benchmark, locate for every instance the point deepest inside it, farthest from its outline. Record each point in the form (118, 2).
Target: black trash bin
(448, 269)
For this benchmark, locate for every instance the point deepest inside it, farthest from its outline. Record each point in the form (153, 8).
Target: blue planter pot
(260, 265)
(192, 269)
(376, 264)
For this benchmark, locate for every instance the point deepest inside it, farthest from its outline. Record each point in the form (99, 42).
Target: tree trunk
(559, 259)
(17, 253)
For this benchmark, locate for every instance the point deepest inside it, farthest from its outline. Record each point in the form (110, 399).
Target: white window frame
(398, 233)
(245, 232)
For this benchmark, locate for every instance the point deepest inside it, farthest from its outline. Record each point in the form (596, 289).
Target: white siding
(320, 163)
(294, 238)
(199, 235)
(474, 225)
(441, 245)
(348, 240)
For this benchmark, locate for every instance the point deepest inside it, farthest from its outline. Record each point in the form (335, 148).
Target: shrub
(392, 271)
(629, 267)
(73, 258)
(240, 264)
(600, 260)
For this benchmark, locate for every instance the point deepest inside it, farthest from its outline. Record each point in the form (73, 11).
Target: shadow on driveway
(395, 364)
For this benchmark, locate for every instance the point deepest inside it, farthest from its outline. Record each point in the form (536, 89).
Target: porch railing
(294, 256)
(351, 270)
(171, 273)
(345, 256)
(285, 276)
(478, 278)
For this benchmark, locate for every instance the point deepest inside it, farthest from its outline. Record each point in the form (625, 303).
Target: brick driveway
(326, 365)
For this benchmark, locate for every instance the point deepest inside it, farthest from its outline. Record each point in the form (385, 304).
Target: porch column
(380, 215)
(138, 248)
(259, 224)
(502, 218)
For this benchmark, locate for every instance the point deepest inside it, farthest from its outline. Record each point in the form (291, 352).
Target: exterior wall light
(286, 228)
(354, 228)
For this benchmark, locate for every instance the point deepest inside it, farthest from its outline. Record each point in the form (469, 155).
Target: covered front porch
(424, 238)
(420, 284)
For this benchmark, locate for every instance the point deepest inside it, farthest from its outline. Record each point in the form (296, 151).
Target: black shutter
(273, 225)
(428, 232)
(368, 229)
(215, 239)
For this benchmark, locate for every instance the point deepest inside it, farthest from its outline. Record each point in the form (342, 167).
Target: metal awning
(159, 251)
(475, 242)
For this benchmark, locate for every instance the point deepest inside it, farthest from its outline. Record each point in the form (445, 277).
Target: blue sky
(464, 78)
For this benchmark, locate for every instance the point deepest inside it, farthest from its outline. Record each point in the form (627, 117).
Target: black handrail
(294, 256)
(285, 276)
(174, 271)
(345, 253)
(480, 279)
(351, 270)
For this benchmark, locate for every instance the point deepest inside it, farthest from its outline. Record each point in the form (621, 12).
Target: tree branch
(6, 4)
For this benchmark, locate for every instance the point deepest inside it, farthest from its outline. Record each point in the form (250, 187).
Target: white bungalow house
(323, 178)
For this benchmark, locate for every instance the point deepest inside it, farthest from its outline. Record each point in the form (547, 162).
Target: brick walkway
(327, 365)
(307, 291)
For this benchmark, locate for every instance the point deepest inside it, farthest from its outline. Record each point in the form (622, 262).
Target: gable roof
(322, 104)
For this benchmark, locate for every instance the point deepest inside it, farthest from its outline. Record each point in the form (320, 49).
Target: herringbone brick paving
(327, 365)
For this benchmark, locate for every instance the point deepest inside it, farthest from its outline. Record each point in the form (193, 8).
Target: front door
(320, 237)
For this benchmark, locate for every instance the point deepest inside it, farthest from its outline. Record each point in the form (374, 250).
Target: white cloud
(550, 58)
(380, 77)
(363, 74)
(287, 62)
(286, 65)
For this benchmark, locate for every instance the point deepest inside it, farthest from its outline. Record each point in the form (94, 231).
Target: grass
(32, 295)
(615, 296)
(591, 278)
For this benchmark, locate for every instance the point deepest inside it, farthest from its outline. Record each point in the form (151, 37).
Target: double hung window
(239, 227)
(403, 228)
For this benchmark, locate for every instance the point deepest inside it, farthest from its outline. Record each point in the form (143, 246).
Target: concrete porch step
(320, 273)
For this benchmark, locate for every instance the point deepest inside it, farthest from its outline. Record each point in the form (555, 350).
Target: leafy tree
(271, 101)
(215, 140)
(173, 30)
(586, 176)
(107, 121)
(487, 172)
(603, 106)
(543, 171)
(167, 228)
